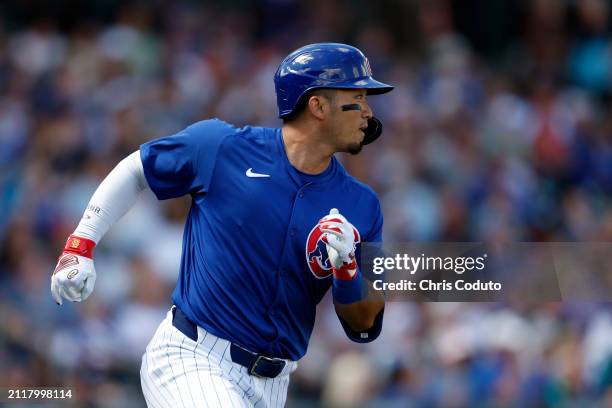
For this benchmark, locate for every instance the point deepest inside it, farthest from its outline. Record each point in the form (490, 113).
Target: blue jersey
(253, 267)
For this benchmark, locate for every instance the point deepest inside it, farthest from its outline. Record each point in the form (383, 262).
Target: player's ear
(318, 106)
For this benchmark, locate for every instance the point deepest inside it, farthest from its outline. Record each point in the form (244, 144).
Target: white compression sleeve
(116, 194)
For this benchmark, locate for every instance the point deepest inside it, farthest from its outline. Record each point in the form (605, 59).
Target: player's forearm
(360, 315)
(117, 193)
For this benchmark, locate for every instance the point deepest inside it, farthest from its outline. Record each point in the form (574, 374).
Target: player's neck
(305, 151)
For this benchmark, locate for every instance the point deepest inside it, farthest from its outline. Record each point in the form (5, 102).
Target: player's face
(349, 119)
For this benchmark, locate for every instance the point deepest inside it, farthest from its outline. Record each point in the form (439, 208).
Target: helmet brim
(372, 86)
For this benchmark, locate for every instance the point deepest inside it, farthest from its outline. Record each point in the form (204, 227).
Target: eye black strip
(350, 107)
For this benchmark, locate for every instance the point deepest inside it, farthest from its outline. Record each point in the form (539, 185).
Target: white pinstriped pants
(179, 372)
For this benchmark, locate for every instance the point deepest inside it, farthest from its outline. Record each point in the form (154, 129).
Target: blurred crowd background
(500, 129)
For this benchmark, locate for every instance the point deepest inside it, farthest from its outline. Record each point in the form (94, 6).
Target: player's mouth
(363, 128)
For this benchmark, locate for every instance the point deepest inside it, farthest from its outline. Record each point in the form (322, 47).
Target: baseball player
(275, 222)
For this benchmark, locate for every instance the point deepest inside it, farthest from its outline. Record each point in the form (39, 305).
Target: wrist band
(80, 246)
(348, 291)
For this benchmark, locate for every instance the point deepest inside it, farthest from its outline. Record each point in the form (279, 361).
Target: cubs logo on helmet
(317, 257)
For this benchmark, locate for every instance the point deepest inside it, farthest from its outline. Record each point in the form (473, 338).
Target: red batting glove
(74, 276)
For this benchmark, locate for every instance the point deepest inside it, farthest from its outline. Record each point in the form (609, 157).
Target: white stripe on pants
(179, 372)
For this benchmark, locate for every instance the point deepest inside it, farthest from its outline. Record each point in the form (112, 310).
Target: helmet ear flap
(373, 131)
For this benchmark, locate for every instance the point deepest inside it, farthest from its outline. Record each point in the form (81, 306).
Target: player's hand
(74, 275)
(340, 238)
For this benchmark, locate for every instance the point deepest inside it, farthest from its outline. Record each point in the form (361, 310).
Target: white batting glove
(74, 276)
(340, 237)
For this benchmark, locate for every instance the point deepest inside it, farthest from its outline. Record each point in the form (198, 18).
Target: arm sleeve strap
(365, 336)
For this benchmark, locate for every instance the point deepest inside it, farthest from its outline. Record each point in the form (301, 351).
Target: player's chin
(354, 148)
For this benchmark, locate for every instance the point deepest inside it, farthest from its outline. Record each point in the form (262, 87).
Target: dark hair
(301, 105)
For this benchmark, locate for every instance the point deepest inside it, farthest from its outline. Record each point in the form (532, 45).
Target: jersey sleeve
(372, 240)
(375, 234)
(184, 162)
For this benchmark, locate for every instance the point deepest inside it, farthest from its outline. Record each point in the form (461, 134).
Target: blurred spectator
(507, 138)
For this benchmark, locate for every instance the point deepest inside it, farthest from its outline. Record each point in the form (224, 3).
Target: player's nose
(366, 111)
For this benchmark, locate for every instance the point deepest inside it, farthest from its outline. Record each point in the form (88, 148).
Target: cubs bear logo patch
(317, 257)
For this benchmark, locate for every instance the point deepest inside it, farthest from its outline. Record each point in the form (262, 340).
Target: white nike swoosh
(251, 173)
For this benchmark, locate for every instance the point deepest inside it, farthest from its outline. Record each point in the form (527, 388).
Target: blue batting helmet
(323, 65)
